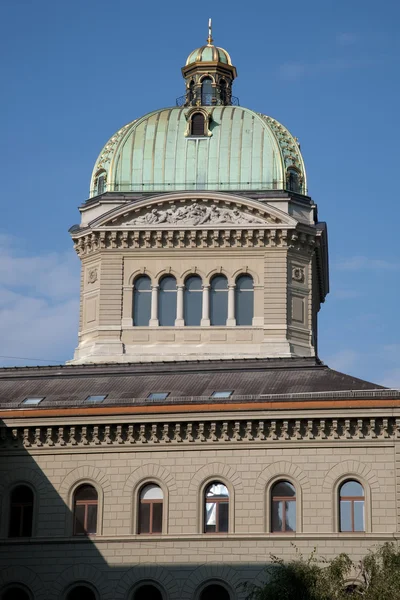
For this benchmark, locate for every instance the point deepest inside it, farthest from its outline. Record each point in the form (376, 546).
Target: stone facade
(315, 457)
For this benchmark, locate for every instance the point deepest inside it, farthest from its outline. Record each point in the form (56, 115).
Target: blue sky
(73, 73)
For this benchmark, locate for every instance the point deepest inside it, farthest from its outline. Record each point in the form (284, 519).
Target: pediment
(194, 210)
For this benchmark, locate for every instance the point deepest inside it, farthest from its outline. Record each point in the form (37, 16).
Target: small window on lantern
(197, 124)
(293, 180)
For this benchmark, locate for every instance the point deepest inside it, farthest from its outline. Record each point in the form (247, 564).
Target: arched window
(150, 509)
(283, 505)
(219, 300)
(198, 124)
(206, 91)
(222, 85)
(214, 592)
(147, 592)
(15, 593)
(142, 301)
(81, 592)
(191, 92)
(167, 301)
(85, 510)
(193, 300)
(21, 512)
(101, 184)
(352, 505)
(244, 300)
(216, 508)
(293, 180)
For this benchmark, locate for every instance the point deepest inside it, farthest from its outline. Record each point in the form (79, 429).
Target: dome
(209, 53)
(243, 150)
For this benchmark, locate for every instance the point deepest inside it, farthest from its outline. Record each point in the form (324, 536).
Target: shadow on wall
(53, 551)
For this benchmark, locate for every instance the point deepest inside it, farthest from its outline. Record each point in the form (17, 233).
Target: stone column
(179, 321)
(127, 306)
(154, 306)
(205, 315)
(231, 306)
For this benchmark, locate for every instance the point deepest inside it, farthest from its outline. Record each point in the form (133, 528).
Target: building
(195, 431)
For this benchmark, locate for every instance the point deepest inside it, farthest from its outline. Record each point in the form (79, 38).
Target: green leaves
(375, 577)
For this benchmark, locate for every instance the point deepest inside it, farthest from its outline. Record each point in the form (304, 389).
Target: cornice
(218, 432)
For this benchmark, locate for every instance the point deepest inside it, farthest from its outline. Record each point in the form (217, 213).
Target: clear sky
(72, 73)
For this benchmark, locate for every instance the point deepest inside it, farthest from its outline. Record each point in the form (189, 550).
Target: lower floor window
(81, 592)
(147, 592)
(214, 592)
(15, 593)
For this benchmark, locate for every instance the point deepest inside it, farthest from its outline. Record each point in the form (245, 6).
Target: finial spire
(209, 39)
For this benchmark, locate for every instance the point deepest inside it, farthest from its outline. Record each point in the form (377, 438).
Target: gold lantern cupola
(209, 75)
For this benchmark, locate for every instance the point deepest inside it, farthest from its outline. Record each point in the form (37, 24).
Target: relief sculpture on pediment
(196, 214)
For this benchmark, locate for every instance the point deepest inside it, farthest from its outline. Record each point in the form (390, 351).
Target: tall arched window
(214, 592)
(352, 506)
(167, 301)
(293, 180)
(21, 512)
(85, 510)
(191, 92)
(219, 300)
(142, 301)
(283, 505)
(206, 91)
(101, 184)
(222, 86)
(244, 300)
(150, 509)
(81, 592)
(198, 124)
(216, 508)
(193, 300)
(15, 593)
(147, 592)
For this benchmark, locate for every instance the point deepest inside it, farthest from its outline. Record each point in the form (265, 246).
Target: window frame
(250, 293)
(202, 505)
(10, 506)
(71, 514)
(352, 500)
(151, 502)
(135, 496)
(16, 586)
(368, 500)
(268, 504)
(283, 500)
(78, 584)
(137, 292)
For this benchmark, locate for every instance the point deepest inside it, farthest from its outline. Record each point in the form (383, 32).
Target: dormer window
(100, 183)
(293, 180)
(198, 124)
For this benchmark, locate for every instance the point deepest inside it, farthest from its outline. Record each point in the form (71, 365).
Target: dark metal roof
(68, 386)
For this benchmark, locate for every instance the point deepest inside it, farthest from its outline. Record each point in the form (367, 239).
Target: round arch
(208, 574)
(151, 574)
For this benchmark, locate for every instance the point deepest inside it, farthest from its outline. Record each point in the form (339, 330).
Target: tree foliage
(375, 577)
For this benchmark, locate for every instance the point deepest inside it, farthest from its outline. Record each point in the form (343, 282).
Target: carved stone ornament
(298, 274)
(196, 214)
(92, 275)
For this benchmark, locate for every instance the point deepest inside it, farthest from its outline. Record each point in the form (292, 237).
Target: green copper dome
(240, 150)
(209, 53)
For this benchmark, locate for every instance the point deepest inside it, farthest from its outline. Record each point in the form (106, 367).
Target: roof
(245, 151)
(209, 53)
(185, 381)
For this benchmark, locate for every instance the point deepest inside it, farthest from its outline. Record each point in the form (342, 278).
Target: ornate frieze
(195, 238)
(202, 432)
